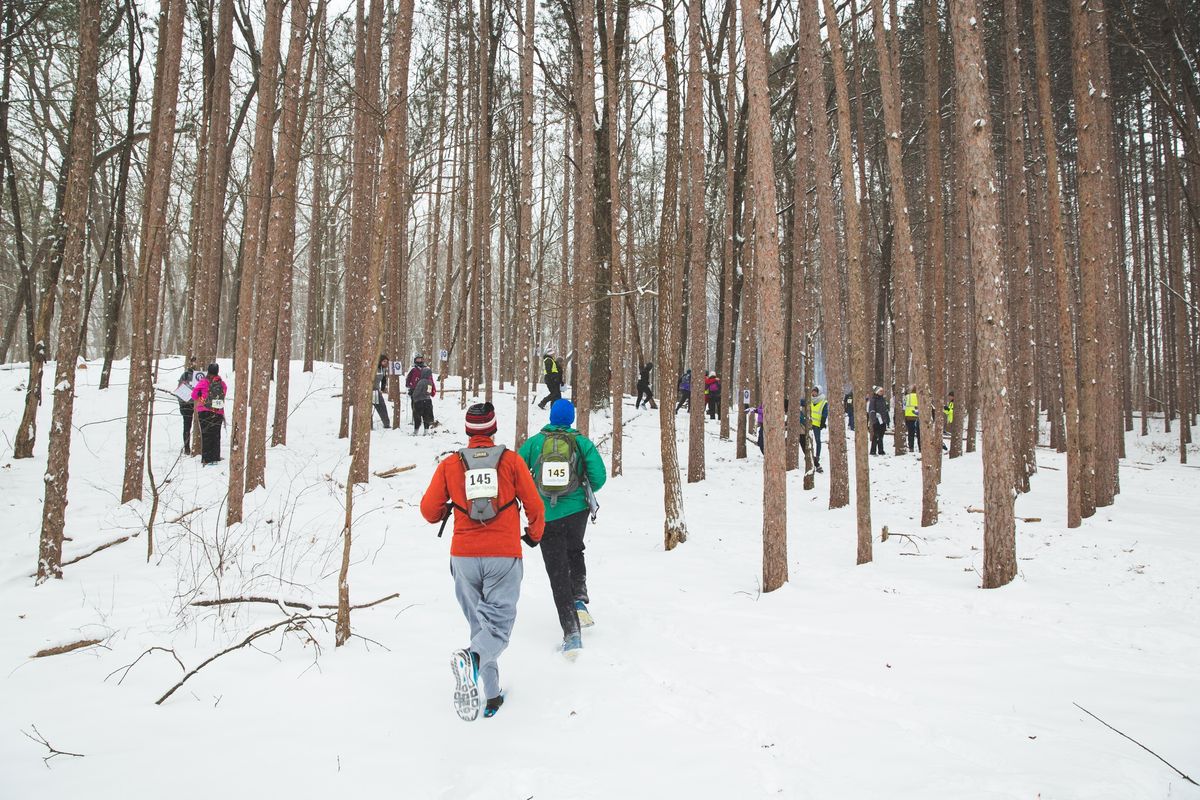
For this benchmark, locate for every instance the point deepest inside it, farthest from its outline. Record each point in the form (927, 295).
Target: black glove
(529, 540)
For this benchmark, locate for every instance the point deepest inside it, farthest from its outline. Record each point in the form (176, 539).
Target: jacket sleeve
(200, 391)
(593, 464)
(433, 504)
(531, 501)
(527, 450)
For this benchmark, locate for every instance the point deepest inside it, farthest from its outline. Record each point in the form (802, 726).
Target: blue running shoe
(571, 646)
(465, 666)
(493, 705)
(585, 616)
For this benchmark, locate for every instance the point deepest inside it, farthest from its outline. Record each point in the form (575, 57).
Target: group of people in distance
(712, 394)
(201, 395)
(421, 387)
(554, 477)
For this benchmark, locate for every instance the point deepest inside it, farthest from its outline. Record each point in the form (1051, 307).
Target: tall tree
(74, 223)
(697, 244)
(858, 327)
(905, 266)
(1062, 275)
(979, 174)
(146, 291)
(669, 290)
(768, 289)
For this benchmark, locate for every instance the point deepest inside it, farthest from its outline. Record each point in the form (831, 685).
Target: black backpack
(216, 394)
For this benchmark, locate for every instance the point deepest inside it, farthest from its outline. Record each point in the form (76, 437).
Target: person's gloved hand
(529, 540)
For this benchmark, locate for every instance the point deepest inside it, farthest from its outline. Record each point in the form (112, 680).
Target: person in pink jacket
(209, 397)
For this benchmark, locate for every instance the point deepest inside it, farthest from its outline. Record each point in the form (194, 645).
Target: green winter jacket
(593, 470)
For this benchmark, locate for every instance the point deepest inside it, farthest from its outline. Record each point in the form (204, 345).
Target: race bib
(556, 474)
(482, 484)
(216, 404)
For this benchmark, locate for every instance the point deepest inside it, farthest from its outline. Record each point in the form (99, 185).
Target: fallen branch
(58, 650)
(387, 473)
(392, 596)
(224, 601)
(1139, 744)
(184, 515)
(298, 621)
(974, 510)
(125, 669)
(54, 751)
(93, 551)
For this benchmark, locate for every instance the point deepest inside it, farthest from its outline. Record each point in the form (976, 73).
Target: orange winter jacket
(500, 537)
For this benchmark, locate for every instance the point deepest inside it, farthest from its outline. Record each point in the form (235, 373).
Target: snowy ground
(899, 679)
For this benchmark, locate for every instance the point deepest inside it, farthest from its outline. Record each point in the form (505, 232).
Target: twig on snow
(1139, 744)
(125, 669)
(974, 510)
(54, 751)
(388, 473)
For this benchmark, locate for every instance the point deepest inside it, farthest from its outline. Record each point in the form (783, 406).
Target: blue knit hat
(562, 412)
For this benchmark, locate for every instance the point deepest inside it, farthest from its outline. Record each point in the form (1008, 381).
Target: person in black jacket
(877, 412)
(848, 407)
(643, 387)
(187, 408)
(552, 375)
(379, 396)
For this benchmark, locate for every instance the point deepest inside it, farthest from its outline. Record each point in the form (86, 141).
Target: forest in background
(993, 199)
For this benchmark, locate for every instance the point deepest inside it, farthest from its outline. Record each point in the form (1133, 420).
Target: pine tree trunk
(670, 281)
(697, 241)
(855, 269)
(974, 128)
(906, 273)
(616, 331)
(1058, 256)
(74, 225)
(767, 286)
(525, 225)
(812, 83)
(153, 244)
(585, 279)
(253, 255)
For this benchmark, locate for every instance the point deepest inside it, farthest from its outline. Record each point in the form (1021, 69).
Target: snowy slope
(897, 679)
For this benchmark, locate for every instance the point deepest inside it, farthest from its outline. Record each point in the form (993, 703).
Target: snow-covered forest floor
(897, 679)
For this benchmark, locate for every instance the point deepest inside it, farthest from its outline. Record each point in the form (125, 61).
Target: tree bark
(974, 128)
(74, 221)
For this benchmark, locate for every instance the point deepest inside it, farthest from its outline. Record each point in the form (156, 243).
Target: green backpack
(557, 469)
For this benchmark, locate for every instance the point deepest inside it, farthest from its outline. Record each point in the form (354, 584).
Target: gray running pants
(487, 588)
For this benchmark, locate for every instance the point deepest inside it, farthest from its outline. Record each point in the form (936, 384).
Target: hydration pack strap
(454, 505)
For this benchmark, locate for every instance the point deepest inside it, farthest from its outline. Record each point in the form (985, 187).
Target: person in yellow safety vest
(818, 415)
(552, 377)
(912, 419)
(948, 410)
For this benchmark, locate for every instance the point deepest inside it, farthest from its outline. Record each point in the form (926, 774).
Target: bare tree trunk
(729, 251)
(153, 243)
(616, 331)
(767, 286)
(813, 85)
(857, 328)
(74, 221)
(906, 271)
(1058, 255)
(525, 227)
(935, 270)
(669, 289)
(585, 279)
(970, 68)
(316, 241)
(697, 239)
(253, 255)
(275, 253)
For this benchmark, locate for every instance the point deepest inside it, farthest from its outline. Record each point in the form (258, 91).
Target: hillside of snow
(898, 679)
